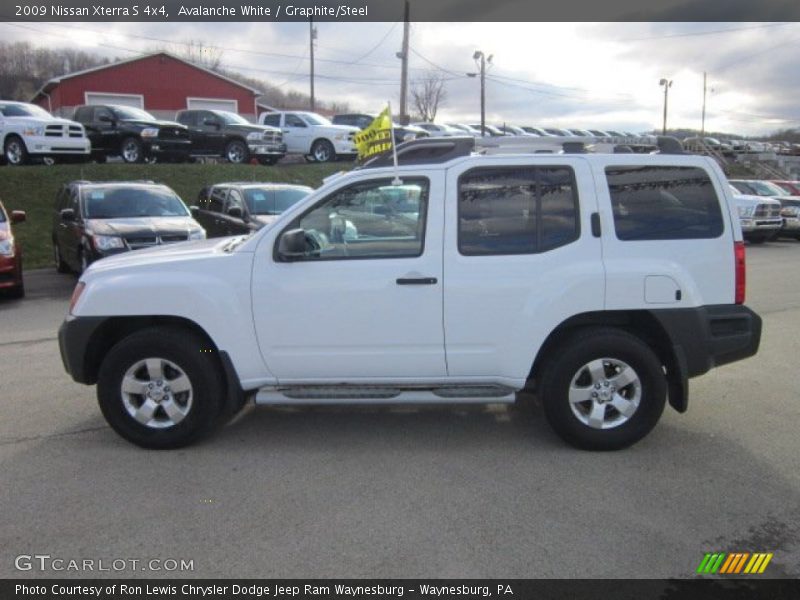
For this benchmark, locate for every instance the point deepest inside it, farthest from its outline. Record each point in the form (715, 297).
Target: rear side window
(663, 203)
(273, 120)
(188, 118)
(516, 210)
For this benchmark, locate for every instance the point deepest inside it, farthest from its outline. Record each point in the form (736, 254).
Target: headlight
(254, 136)
(149, 132)
(107, 242)
(7, 246)
(790, 211)
(33, 131)
(747, 211)
(197, 234)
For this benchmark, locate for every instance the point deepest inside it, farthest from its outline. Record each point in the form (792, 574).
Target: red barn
(160, 83)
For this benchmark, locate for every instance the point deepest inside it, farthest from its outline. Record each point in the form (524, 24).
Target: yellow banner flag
(376, 138)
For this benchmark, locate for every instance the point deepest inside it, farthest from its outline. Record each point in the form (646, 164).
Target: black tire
(184, 350)
(587, 346)
(131, 150)
(267, 161)
(83, 261)
(236, 152)
(322, 151)
(18, 291)
(15, 152)
(58, 260)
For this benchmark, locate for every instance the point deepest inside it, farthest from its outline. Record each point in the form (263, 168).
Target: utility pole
(403, 55)
(481, 60)
(667, 83)
(312, 35)
(703, 118)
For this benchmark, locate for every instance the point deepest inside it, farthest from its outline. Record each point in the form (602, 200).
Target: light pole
(667, 83)
(481, 61)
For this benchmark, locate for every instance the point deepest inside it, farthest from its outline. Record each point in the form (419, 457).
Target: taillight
(738, 253)
(76, 293)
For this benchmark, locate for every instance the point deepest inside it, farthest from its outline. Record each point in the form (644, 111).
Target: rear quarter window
(663, 203)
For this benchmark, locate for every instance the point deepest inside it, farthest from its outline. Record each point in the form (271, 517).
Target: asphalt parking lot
(429, 492)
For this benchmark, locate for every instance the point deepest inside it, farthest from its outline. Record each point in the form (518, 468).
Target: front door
(364, 303)
(296, 134)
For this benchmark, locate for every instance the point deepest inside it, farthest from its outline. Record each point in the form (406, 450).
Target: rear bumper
(10, 270)
(710, 336)
(259, 149)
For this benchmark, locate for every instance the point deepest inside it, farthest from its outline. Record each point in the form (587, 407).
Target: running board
(374, 394)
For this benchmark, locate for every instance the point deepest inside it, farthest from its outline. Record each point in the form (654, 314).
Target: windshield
(761, 188)
(132, 114)
(231, 118)
(24, 110)
(273, 201)
(315, 119)
(131, 202)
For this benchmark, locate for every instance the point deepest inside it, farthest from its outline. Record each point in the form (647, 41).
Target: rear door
(519, 258)
(667, 239)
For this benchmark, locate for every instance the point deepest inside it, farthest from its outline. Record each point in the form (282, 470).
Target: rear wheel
(158, 389)
(605, 389)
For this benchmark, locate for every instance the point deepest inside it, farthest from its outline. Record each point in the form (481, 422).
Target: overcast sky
(591, 75)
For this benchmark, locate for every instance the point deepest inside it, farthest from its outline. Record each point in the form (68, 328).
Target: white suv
(600, 282)
(28, 131)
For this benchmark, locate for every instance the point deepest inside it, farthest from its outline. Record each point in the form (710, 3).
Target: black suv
(226, 134)
(133, 134)
(402, 133)
(92, 220)
(243, 207)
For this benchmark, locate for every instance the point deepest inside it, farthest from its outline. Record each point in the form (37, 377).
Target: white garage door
(135, 100)
(212, 104)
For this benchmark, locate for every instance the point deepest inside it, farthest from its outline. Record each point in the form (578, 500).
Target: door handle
(416, 281)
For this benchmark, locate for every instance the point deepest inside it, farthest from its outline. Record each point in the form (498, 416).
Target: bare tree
(428, 94)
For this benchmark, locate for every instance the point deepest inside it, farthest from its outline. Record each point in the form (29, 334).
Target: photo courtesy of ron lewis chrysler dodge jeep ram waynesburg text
(600, 282)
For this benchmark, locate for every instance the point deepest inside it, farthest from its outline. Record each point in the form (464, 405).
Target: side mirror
(292, 245)
(195, 210)
(236, 212)
(67, 214)
(18, 216)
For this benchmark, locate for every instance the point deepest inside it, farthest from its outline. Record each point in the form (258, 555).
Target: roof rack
(435, 150)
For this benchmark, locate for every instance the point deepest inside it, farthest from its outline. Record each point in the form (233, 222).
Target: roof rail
(433, 150)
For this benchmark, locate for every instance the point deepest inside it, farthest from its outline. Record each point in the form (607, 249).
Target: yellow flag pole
(396, 180)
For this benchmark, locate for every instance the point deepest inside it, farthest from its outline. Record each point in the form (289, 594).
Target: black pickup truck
(226, 134)
(133, 134)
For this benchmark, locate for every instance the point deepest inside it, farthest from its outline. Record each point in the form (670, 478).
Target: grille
(73, 131)
(273, 137)
(171, 133)
(146, 241)
(768, 210)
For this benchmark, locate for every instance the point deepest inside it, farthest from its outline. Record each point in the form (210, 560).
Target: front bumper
(791, 226)
(57, 146)
(74, 337)
(755, 224)
(159, 147)
(344, 147)
(260, 149)
(10, 271)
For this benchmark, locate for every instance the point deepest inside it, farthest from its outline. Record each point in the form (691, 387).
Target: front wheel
(15, 151)
(236, 152)
(323, 151)
(131, 150)
(161, 388)
(604, 389)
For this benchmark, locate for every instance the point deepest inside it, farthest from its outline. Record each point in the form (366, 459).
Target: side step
(375, 394)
